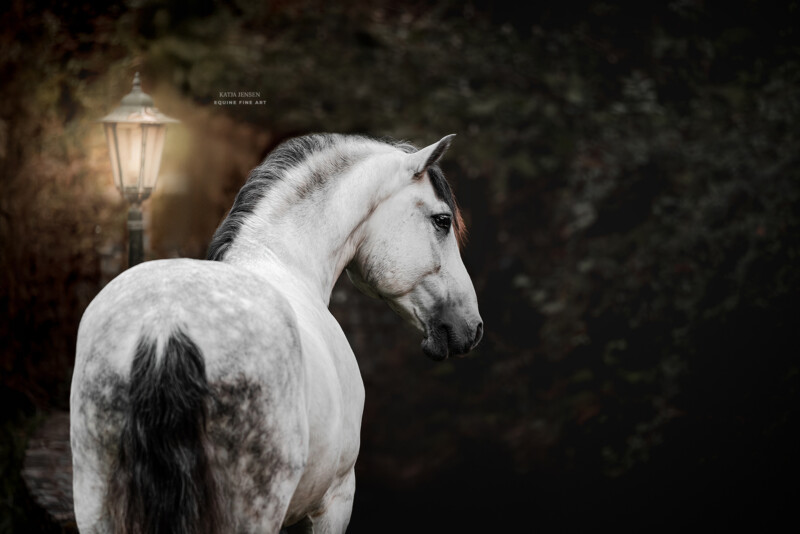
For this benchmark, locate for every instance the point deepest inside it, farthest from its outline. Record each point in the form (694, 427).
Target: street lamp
(135, 133)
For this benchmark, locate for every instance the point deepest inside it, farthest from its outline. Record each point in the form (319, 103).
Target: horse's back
(221, 307)
(245, 334)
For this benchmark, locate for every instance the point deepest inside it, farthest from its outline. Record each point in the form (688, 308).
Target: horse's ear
(430, 155)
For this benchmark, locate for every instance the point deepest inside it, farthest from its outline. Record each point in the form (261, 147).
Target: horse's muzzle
(442, 340)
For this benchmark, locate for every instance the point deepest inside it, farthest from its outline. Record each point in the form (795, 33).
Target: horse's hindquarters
(254, 436)
(96, 419)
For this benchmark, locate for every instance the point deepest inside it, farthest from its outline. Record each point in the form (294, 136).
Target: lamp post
(135, 132)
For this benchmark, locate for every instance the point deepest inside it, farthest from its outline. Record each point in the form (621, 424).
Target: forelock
(441, 188)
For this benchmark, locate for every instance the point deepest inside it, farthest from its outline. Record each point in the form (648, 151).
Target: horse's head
(410, 257)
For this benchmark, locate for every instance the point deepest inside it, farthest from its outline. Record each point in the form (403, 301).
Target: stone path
(47, 470)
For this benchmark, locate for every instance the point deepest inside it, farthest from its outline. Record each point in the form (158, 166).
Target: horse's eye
(442, 221)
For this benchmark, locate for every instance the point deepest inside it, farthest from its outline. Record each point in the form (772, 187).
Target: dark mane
(291, 153)
(285, 156)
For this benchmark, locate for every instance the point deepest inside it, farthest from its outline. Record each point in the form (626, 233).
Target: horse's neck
(306, 248)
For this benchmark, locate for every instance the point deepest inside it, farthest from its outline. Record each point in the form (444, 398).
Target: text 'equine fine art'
(228, 398)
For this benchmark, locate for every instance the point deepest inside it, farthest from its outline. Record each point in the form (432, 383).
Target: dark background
(629, 175)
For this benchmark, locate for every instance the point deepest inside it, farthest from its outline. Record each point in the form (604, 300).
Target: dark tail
(162, 482)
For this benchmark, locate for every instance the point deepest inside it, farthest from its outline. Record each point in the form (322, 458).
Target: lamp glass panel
(129, 153)
(154, 135)
(111, 139)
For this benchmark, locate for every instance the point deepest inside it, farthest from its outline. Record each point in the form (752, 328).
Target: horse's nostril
(478, 335)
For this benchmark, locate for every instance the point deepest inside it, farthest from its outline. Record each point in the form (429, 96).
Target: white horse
(222, 396)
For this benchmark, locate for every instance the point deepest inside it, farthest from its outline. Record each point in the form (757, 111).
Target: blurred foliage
(51, 220)
(629, 176)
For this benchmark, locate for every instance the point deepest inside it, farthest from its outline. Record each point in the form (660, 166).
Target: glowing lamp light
(135, 133)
